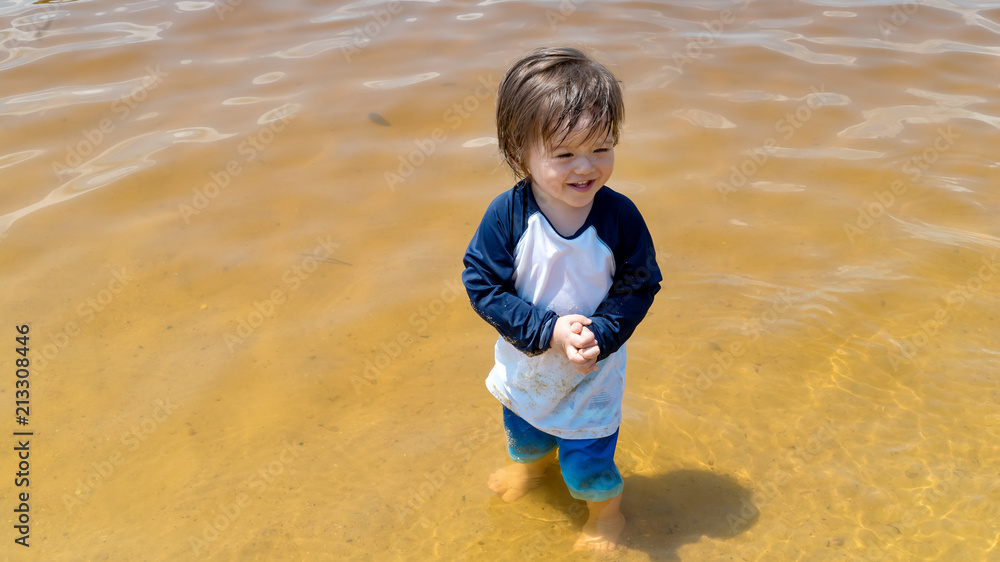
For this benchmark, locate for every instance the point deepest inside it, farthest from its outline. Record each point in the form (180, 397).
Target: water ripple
(281, 112)
(356, 10)
(781, 41)
(777, 187)
(313, 48)
(400, 82)
(242, 100)
(840, 152)
(868, 271)
(887, 122)
(813, 99)
(24, 104)
(8, 160)
(119, 161)
(704, 118)
(945, 182)
(188, 6)
(949, 100)
(481, 141)
(36, 21)
(124, 34)
(947, 235)
(268, 77)
(980, 21)
(930, 46)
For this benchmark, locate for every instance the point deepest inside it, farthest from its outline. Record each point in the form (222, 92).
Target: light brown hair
(546, 92)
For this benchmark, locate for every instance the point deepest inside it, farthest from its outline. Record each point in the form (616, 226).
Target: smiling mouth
(582, 185)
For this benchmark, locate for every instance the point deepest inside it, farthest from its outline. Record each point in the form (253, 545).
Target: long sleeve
(489, 280)
(636, 281)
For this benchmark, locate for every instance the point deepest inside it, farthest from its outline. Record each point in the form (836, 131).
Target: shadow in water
(664, 512)
(667, 511)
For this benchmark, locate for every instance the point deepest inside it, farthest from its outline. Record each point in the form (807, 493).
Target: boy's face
(570, 174)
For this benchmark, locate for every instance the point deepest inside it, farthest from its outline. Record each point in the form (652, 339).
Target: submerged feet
(601, 534)
(603, 526)
(517, 479)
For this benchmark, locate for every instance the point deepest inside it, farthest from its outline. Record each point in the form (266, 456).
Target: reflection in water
(277, 199)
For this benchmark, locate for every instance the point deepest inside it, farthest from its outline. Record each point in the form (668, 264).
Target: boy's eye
(602, 150)
(564, 155)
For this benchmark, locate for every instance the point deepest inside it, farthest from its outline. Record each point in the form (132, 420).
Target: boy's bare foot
(601, 534)
(603, 526)
(516, 479)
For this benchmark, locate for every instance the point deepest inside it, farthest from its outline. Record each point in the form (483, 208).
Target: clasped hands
(572, 336)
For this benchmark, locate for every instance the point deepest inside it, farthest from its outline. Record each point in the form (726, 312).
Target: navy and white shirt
(521, 275)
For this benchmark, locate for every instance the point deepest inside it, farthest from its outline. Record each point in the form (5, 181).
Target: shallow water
(236, 231)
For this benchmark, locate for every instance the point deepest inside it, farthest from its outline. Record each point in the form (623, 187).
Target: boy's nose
(583, 165)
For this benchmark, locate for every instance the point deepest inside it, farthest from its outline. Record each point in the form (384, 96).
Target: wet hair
(545, 94)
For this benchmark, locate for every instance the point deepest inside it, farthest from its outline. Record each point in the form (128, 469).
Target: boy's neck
(566, 220)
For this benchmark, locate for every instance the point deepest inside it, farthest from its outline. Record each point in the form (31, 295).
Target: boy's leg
(603, 527)
(530, 449)
(517, 479)
(590, 473)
